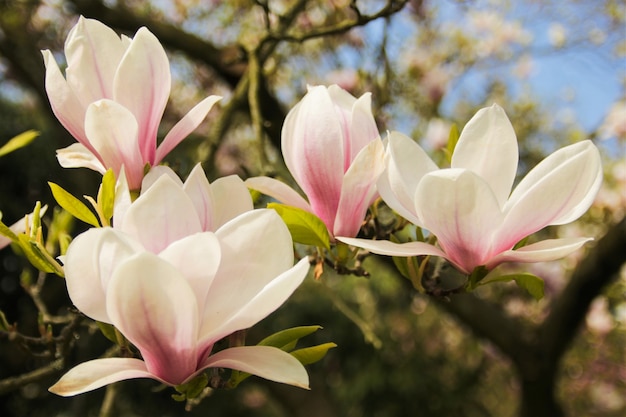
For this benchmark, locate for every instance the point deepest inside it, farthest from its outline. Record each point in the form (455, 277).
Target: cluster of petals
(112, 100)
(169, 277)
(470, 208)
(332, 148)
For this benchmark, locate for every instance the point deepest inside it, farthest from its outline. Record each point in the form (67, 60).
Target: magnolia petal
(313, 147)
(231, 198)
(256, 248)
(161, 215)
(359, 189)
(122, 200)
(459, 207)
(279, 191)
(112, 130)
(142, 85)
(97, 373)
(78, 156)
(488, 146)
(184, 127)
(407, 163)
(199, 191)
(266, 301)
(363, 129)
(155, 172)
(154, 307)
(265, 361)
(89, 263)
(546, 250)
(197, 258)
(93, 52)
(386, 247)
(557, 191)
(66, 106)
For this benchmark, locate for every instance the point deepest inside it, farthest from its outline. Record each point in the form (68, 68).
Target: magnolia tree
(175, 273)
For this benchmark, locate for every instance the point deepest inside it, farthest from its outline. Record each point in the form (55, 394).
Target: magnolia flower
(470, 208)
(173, 289)
(333, 150)
(112, 99)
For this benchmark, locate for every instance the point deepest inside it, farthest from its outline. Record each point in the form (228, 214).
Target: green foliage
(73, 205)
(18, 142)
(305, 228)
(531, 283)
(191, 389)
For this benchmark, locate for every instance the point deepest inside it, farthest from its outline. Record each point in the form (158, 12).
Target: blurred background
(557, 68)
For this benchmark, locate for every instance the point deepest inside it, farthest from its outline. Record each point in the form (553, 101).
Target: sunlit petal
(386, 247)
(78, 156)
(488, 146)
(231, 198)
(264, 361)
(279, 191)
(97, 373)
(543, 251)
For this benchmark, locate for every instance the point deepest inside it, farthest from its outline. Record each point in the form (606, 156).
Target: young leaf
(531, 283)
(305, 228)
(6, 231)
(34, 255)
(106, 196)
(453, 138)
(18, 142)
(73, 205)
(285, 338)
(312, 354)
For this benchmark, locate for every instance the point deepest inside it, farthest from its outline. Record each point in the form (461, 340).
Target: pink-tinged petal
(93, 52)
(142, 85)
(155, 173)
(122, 201)
(230, 199)
(488, 146)
(406, 163)
(267, 362)
(97, 373)
(279, 191)
(363, 129)
(265, 302)
(359, 189)
(199, 191)
(197, 258)
(557, 191)
(313, 147)
(66, 106)
(386, 247)
(112, 130)
(546, 250)
(78, 156)
(184, 127)
(459, 207)
(256, 248)
(155, 308)
(89, 264)
(161, 215)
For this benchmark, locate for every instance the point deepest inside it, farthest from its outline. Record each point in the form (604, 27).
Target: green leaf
(6, 231)
(106, 197)
(305, 228)
(18, 142)
(531, 283)
(4, 324)
(287, 339)
(73, 205)
(34, 255)
(312, 354)
(453, 139)
(108, 330)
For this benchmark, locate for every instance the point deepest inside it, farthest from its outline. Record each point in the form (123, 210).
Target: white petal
(557, 191)
(358, 189)
(407, 163)
(264, 361)
(279, 191)
(185, 126)
(153, 306)
(488, 146)
(142, 85)
(459, 207)
(256, 248)
(161, 215)
(89, 263)
(78, 156)
(386, 247)
(97, 373)
(231, 198)
(543, 251)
